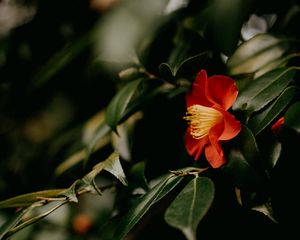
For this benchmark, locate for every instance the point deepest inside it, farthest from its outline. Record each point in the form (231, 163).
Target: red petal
(197, 94)
(231, 127)
(195, 146)
(221, 90)
(213, 152)
(214, 156)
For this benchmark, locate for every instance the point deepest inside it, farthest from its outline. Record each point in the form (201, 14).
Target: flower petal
(195, 146)
(197, 94)
(231, 127)
(221, 90)
(214, 156)
(213, 151)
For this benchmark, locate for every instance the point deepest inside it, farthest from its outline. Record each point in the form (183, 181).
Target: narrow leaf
(61, 59)
(15, 220)
(33, 220)
(190, 206)
(263, 90)
(256, 53)
(138, 211)
(116, 108)
(248, 147)
(292, 116)
(27, 199)
(262, 120)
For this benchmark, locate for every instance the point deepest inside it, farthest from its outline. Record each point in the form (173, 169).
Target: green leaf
(143, 205)
(248, 147)
(265, 118)
(240, 172)
(111, 164)
(137, 177)
(27, 199)
(263, 90)
(70, 193)
(62, 59)
(256, 53)
(226, 16)
(190, 206)
(33, 220)
(292, 116)
(116, 41)
(267, 209)
(185, 67)
(277, 63)
(14, 221)
(116, 109)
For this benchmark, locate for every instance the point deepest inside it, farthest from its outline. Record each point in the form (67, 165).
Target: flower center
(201, 119)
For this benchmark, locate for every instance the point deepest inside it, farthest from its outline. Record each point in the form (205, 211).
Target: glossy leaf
(277, 63)
(292, 116)
(240, 172)
(248, 146)
(117, 107)
(143, 205)
(190, 206)
(256, 53)
(262, 120)
(263, 90)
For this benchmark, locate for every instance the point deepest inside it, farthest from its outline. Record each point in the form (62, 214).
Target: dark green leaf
(256, 53)
(137, 176)
(62, 59)
(240, 172)
(137, 211)
(292, 116)
(262, 120)
(226, 16)
(263, 90)
(273, 154)
(190, 206)
(117, 107)
(267, 209)
(248, 147)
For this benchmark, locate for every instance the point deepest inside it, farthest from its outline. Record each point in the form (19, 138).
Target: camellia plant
(136, 119)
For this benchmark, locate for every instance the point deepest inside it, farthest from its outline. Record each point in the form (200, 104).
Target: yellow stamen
(201, 119)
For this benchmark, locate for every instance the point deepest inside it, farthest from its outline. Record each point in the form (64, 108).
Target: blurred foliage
(87, 86)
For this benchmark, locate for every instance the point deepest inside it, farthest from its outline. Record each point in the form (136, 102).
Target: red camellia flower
(208, 119)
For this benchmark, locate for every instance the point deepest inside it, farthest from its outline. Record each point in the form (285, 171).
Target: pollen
(201, 119)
